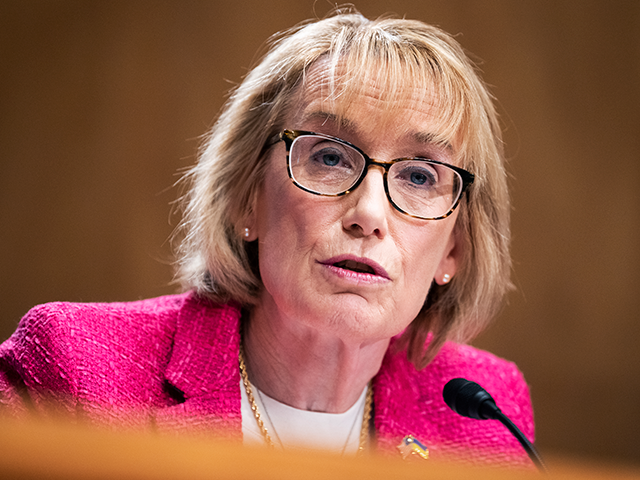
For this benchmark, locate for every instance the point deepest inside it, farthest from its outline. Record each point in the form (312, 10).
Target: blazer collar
(203, 365)
(204, 358)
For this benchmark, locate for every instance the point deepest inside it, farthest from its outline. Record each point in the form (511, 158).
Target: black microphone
(469, 399)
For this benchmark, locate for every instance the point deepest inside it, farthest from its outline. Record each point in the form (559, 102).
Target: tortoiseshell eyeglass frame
(289, 136)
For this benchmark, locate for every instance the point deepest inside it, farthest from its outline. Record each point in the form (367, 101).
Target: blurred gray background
(102, 105)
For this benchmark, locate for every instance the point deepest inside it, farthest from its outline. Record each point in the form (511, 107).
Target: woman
(347, 223)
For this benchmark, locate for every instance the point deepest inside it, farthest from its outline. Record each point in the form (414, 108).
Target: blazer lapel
(395, 402)
(203, 365)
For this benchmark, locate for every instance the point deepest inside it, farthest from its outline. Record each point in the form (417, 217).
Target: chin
(360, 326)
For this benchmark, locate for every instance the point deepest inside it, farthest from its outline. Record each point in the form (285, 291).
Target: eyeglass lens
(417, 187)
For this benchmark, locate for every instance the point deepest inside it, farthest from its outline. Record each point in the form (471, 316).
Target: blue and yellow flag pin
(411, 446)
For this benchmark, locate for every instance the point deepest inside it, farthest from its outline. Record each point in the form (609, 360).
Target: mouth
(357, 265)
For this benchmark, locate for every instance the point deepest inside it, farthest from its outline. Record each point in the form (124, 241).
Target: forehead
(370, 101)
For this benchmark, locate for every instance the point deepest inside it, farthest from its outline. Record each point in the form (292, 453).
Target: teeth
(355, 266)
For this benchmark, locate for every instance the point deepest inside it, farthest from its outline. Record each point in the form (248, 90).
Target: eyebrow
(341, 122)
(431, 139)
(425, 138)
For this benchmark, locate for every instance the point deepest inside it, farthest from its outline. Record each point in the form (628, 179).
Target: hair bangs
(399, 73)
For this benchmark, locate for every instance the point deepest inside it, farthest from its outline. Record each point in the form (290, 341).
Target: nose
(368, 207)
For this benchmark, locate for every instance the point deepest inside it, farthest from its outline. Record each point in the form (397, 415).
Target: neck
(305, 368)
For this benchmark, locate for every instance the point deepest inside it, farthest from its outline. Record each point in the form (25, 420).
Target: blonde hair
(213, 258)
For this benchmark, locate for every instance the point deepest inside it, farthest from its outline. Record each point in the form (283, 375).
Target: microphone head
(469, 399)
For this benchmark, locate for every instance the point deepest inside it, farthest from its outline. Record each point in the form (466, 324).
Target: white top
(335, 432)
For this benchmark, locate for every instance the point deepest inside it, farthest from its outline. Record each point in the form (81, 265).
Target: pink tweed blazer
(170, 364)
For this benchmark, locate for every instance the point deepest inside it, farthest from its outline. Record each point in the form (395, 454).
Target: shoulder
(56, 328)
(500, 377)
(84, 350)
(51, 338)
(451, 436)
(54, 314)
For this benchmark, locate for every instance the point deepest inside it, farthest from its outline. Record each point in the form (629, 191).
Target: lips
(357, 265)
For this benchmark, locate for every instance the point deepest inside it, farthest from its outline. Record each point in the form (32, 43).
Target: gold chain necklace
(366, 417)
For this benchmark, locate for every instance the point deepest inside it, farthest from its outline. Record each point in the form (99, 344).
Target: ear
(450, 259)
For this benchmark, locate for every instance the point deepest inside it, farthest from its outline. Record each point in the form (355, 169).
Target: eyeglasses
(418, 187)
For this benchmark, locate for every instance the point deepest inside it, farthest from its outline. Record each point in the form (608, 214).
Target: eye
(418, 178)
(327, 156)
(415, 175)
(323, 165)
(330, 159)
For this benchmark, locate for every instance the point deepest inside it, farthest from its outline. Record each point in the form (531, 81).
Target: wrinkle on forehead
(346, 124)
(396, 96)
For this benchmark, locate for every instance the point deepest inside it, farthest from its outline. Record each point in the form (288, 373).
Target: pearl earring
(246, 233)
(445, 278)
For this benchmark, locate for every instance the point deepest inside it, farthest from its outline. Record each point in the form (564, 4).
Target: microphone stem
(524, 441)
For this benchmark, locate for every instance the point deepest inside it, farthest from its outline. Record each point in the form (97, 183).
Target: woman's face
(313, 249)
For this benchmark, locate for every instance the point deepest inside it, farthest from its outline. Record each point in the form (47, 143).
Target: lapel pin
(411, 446)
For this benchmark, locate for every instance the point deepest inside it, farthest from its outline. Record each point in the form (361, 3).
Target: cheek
(273, 207)
(290, 216)
(423, 251)
(281, 219)
(290, 227)
(292, 230)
